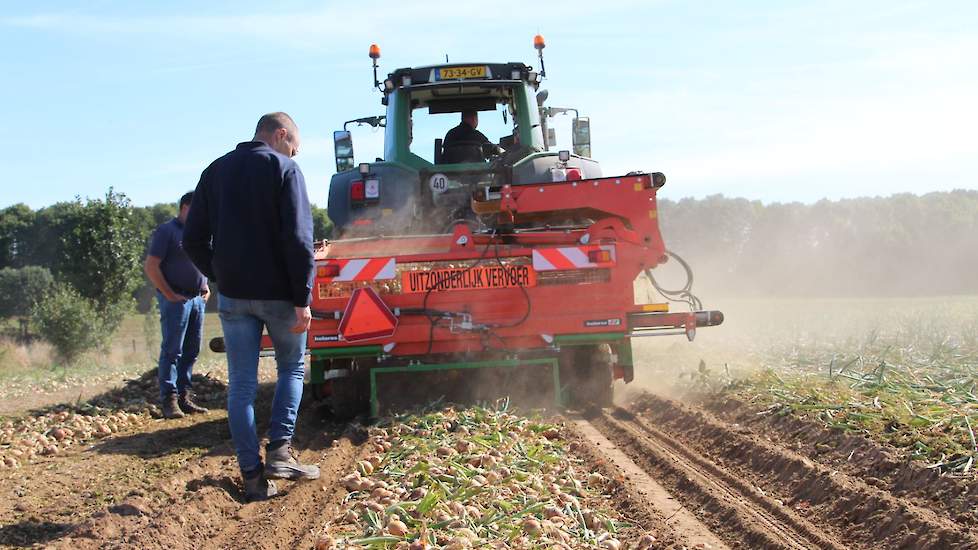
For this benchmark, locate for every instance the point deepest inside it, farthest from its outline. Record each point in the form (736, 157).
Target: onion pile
(23, 440)
(472, 478)
(52, 431)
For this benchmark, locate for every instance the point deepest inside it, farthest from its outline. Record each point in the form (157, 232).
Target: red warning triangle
(366, 316)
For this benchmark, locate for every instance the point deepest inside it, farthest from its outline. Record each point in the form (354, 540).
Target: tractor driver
(464, 143)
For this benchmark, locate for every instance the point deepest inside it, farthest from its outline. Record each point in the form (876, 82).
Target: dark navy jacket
(463, 143)
(250, 226)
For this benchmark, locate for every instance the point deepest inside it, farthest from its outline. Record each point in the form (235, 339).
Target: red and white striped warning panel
(365, 269)
(574, 257)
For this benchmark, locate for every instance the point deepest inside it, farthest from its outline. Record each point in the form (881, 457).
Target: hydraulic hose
(683, 295)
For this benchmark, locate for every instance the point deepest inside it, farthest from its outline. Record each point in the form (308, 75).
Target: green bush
(101, 255)
(70, 323)
(21, 289)
(322, 226)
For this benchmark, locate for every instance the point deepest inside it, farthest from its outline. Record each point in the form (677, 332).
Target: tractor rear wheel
(587, 371)
(351, 394)
(344, 399)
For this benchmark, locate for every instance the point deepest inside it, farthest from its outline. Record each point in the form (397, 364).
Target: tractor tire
(345, 399)
(593, 376)
(586, 371)
(351, 394)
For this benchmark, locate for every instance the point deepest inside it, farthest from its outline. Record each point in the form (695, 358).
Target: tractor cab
(420, 186)
(430, 102)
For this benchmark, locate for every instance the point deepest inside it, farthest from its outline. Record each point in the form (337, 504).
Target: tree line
(82, 259)
(900, 245)
(71, 271)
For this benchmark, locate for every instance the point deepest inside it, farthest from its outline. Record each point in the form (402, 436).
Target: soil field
(794, 435)
(718, 475)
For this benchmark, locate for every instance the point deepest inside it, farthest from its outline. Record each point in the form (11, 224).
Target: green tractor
(426, 189)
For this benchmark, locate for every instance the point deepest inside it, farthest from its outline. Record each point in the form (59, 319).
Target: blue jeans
(243, 321)
(182, 325)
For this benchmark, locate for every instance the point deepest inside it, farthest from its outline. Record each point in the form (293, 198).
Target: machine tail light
(600, 256)
(357, 191)
(340, 276)
(573, 174)
(573, 257)
(328, 270)
(365, 190)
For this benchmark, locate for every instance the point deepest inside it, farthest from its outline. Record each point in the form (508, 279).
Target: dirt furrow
(847, 452)
(644, 492)
(295, 518)
(205, 508)
(861, 514)
(733, 509)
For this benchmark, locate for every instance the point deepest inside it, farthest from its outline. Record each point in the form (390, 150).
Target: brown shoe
(171, 409)
(188, 406)
(280, 463)
(257, 487)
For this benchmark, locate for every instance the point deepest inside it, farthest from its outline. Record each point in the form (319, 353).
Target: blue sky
(770, 100)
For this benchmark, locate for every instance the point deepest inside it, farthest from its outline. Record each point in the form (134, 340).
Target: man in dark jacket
(464, 143)
(250, 230)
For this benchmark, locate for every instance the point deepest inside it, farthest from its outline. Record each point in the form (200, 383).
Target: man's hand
(152, 268)
(303, 316)
(206, 293)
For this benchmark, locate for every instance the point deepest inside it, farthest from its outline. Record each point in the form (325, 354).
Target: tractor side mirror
(343, 150)
(581, 130)
(542, 96)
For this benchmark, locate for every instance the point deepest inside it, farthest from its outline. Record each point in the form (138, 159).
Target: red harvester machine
(511, 273)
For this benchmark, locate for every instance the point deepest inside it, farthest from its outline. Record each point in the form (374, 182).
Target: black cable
(526, 295)
(459, 274)
(435, 318)
(432, 323)
(488, 333)
(684, 294)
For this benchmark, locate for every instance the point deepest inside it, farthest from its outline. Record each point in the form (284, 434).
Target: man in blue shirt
(181, 292)
(250, 230)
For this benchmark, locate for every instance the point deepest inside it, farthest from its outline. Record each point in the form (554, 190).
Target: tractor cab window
(437, 114)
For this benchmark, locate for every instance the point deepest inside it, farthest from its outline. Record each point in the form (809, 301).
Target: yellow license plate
(457, 73)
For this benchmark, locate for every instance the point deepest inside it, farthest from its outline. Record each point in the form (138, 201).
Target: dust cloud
(898, 246)
(790, 276)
